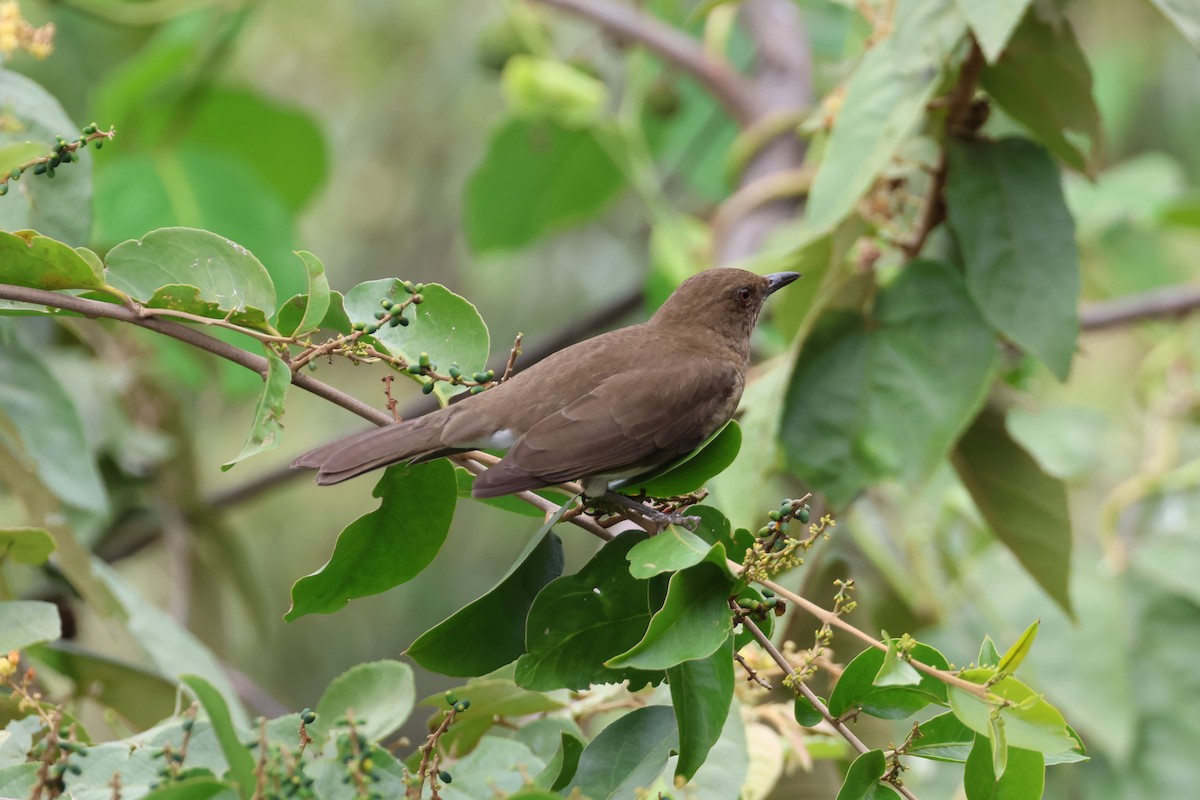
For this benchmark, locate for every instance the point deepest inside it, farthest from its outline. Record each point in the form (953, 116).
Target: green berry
(764, 532)
(15, 175)
(188, 724)
(451, 698)
(49, 172)
(455, 372)
(403, 321)
(3, 189)
(418, 299)
(774, 516)
(415, 369)
(418, 288)
(380, 314)
(369, 329)
(423, 359)
(99, 144)
(768, 593)
(394, 321)
(427, 388)
(444, 777)
(803, 515)
(308, 716)
(407, 286)
(477, 389)
(38, 169)
(462, 705)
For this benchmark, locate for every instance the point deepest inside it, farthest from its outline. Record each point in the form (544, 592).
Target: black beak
(777, 280)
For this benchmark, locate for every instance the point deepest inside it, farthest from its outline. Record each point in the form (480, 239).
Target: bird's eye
(744, 294)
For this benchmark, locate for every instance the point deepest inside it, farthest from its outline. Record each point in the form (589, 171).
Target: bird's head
(723, 301)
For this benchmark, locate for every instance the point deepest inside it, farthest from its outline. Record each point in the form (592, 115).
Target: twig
(512, 358)
(811, 697)
(686, 54)
(1167, 302)
(751, 673)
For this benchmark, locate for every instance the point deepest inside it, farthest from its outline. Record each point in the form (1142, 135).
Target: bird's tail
(411, 441)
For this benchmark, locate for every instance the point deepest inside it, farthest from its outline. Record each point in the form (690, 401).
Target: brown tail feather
(414, 440)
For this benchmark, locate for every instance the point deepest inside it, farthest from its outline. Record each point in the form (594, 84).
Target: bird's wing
(635, 418)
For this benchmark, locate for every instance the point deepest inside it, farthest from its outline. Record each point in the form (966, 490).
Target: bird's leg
(649, 514)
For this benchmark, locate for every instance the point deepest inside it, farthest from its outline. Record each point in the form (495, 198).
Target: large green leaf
(885, 100)
(191, 186)
(60, 208)
(1005, 204)
(1025, 508)
(266, 432)
(316, 305)
(227, 275)
(886, 395)
(992, 22)
(490, 632)
(580, 621)
(1184, 15)
(862, 779)
(627, 755)
(677, 548)
(140, 695)
(27, 622)
(693, 622)
(943, 738)
(445, 326)
(701, 692)
(1024, 775)
(536, 177)
(856, 688)
(388, 546)
(381, 695)
(29, 259)
(1043, 81)
(241, 763)
(1029, 722)
(690, 474)
(50, 428)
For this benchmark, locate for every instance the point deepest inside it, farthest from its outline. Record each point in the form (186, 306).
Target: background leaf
(627, 754)
(992, 22)
(380, 694)
(241, 763)
(27, 622)
(701, 691)
(266, 433)
(29, 259)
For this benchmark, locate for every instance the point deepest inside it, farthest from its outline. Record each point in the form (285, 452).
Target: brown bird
(602, 411)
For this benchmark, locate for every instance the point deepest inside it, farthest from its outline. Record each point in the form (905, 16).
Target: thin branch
(685, 53)
(1166, 303)
(811, 697)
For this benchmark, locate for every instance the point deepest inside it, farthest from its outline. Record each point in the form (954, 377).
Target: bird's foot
(652, 515)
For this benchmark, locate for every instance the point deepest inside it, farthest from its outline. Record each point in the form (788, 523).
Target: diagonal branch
(685, 53)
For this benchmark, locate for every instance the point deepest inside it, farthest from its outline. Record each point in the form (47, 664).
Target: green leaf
(992, 22)
(280, 145)
(505, 502)
(60, 208)
(895, 671)
(701, 693)
(1004, 203)
(988, 654)
(1025, 508)
(862, 779)
(445, 326)
(886, 395)
(1023, 778)
(225, 273)
(137, 694)
(26, 545)
(1185, 16)
(627, 755)
(492, 700)
(380, 694)
(241, 763)
(943, 738)
(1030, 722)
(27, 622)
(490, 632)
(561, 768)
(179, 297)
(690, 474)
(693, 622)
(295, 308)
(579, 621)
(1043, 82)
(317, 305)
(195, 187)
(1016, 654)
(267, 431)
(677, 548)
(13, 156)
(388, 546)
(536, 177)
(199, 787)
(29, 259)
(541, 88)
(50, 429)
(885, 100)
(856, 687)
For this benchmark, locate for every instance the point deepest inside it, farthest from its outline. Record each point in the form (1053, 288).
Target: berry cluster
(63, 152)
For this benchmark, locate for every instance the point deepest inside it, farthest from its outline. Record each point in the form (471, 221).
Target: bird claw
(652, 515)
